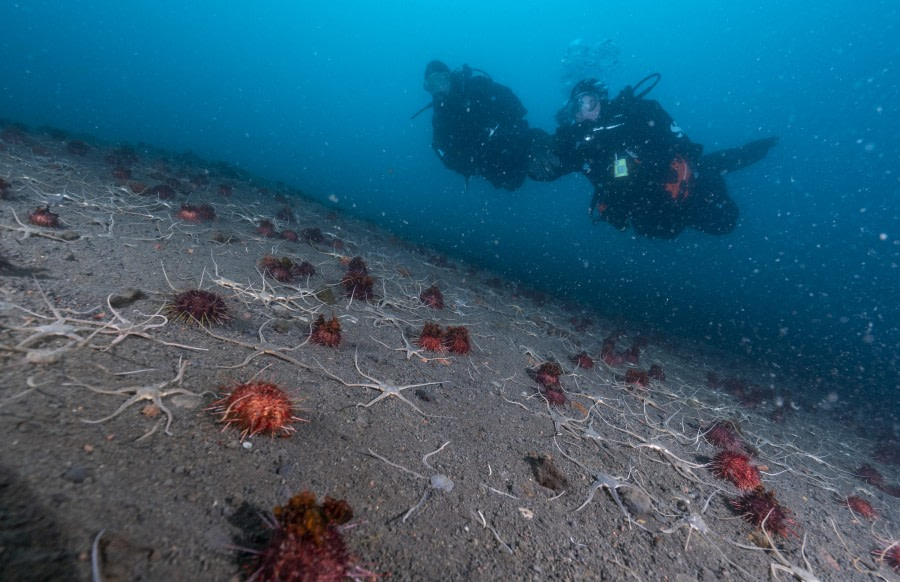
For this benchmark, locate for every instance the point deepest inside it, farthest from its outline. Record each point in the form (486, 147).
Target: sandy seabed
(114, 466)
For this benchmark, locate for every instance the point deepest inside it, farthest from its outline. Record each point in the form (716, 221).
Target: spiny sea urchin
(725, 435)
(861, 507)
(737, 468)
(199, 306)
(582, 360)
(307, 544)
(456, 339)
(555, 397)
(326, 332)
(432, 297)
(196, 213)
(637, 378)
(760, 508)
(889, 555)
(431, 338)
(266, 228)
(257, 408)
(42, 216)
(547, 375)
(357, 282)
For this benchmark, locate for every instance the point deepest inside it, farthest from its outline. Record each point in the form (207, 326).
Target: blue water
(319, 95)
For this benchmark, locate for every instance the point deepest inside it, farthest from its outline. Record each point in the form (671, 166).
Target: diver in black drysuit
(479, 126)
(645, 171)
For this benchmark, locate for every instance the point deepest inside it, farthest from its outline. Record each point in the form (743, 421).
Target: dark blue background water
(320, 96)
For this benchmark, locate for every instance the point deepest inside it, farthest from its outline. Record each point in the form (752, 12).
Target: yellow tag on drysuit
(620, 167)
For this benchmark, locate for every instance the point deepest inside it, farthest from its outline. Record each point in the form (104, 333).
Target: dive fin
(734, 159)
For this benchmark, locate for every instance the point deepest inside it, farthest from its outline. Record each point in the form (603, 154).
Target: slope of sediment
(110, 440)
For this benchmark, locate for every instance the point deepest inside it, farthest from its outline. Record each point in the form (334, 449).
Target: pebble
(76, 474)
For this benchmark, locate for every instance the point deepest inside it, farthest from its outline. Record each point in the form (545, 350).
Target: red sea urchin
(4, 189)
(456, 340)
(307, 544)
(547, 375)
(432, 297)
(199, 306)
(656, 372)
(889, 555)
(608, 353)
(725, 435)
(431, 338)
(861, 507)
(554, 397)
(266, 228)
(760, 508)
(637, 378)
(736, 468)
(583, 360)
(326, 332)
(257, 408)
(357, 282)
(198, 213)
(44, 217)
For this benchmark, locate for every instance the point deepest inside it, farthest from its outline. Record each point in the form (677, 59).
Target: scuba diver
(479, 125)
(645, 170)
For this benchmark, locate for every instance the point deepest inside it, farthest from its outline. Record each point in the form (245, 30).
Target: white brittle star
(385, 388)
(154, 393)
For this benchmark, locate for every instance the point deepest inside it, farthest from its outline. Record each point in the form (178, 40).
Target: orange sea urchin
(737, 468)
(431, 338)
(42, 216)
(257, 408)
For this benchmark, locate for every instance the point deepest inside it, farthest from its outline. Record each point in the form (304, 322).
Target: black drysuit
(647, 173)
(480, 130)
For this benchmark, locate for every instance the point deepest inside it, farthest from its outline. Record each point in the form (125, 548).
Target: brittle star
(154, 393)
(385, 388)
(61, 327)
(437, 481)
(603, 480)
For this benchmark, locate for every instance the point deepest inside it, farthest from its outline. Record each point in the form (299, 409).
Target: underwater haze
(320, 95)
